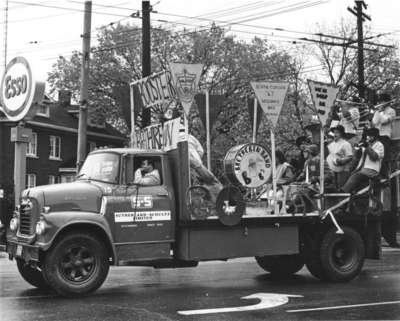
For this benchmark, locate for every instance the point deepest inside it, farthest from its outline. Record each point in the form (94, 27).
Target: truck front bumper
(23, 251)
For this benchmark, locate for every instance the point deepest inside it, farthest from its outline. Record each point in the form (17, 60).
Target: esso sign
(20, 91)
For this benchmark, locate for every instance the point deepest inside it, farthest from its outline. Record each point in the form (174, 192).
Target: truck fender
(63, 222)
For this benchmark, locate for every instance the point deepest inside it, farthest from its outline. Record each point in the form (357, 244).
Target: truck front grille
(25, 217)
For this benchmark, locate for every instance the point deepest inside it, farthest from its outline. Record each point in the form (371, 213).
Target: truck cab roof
(149, 152)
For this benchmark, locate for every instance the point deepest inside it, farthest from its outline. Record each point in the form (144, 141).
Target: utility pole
(146, 49)
(357, 10)
(83, 104)
(146, 54)
(5, 34)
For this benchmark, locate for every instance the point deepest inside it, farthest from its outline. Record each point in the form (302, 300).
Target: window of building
(55, 147)
(43, 110)
(30, 180)
(53, 179)
(32, 146)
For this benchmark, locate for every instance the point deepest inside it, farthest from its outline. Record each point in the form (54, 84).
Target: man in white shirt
(340, 157)
(382, 120)
(372, 163)
(146, 174)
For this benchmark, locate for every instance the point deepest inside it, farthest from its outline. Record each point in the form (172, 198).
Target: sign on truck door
(145, 214)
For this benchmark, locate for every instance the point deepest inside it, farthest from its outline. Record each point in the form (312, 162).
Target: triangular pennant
(216, 102)
(323, 96)
(186, 80)
(250, 108)
(271, 96)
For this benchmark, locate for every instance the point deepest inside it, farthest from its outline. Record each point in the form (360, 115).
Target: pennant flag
(186, 80)
(271, 96)
(323, 96)
(250, 108)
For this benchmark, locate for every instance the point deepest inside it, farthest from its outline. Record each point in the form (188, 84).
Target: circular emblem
(19, 90)
(248, 165)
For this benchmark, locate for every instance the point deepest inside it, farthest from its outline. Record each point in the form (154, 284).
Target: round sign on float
(248, 165)
(20, 91)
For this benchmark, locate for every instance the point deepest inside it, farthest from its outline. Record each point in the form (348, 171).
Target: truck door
(150, 217)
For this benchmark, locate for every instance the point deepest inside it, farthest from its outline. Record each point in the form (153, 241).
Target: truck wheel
(31, 275)
(76, 265)
(314, 266)
(342, 255)
(281, 265)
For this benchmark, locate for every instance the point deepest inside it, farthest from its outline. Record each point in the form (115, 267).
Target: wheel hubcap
(344, 254)
(78, 264)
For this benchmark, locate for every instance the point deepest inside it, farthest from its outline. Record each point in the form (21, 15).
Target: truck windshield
(101, 167)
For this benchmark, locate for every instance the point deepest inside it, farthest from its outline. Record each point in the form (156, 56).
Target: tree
(340, 66)
(229, 66)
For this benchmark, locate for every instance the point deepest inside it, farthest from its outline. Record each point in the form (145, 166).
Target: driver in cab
(146, 174)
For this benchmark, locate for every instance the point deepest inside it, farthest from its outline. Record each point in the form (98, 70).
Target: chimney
(64, 98)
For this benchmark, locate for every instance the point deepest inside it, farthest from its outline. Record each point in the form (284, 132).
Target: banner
(160, 136)
(155, 91)
(323, 96)
(186, 80)
(271, 96)
(250, 108)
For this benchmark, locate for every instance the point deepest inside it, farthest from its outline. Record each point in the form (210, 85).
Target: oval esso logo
(20, 90)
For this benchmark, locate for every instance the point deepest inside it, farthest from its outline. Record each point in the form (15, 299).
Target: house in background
(51, 156)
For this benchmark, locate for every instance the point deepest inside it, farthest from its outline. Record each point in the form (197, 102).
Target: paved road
(149, 294)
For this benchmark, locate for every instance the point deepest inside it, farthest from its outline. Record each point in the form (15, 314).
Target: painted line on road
(345, 306)
(27, 297)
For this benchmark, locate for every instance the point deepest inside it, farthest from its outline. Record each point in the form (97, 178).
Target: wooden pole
(132, 142)
(208, 130)
(322, 162)
(255, 121)
(274, 186)
(82, 129)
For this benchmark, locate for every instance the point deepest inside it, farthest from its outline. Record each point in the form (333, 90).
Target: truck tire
(314, 266)
(281, 265)
(77, 264)
(342, 255)
(31, 275)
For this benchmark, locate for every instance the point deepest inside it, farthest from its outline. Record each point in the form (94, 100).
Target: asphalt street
(136, 293)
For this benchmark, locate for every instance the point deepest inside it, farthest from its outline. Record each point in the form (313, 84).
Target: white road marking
(27, 297)
(345, 306)
(267, 300)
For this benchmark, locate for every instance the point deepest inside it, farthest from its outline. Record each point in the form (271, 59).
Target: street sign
(271, 96)
(20, 90)
(323, 96)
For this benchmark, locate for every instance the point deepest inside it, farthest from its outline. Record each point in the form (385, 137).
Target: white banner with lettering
(271, 96)
(186, 80)
(323, 96)
(163, 137)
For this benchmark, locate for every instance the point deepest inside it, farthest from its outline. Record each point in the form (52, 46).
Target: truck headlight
(40, 227)
(14, 224)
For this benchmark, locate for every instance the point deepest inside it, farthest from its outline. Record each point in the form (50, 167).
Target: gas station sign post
(20, 94)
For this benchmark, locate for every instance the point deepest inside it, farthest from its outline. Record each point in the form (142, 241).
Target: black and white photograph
(165, 160)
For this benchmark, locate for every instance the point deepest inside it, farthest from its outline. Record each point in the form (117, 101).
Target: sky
(42, 30)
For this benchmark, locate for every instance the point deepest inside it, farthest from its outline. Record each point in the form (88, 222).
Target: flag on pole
(186, 80)
(271, 96)
(323, 96)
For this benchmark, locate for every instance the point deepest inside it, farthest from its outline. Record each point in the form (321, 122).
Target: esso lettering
(15, 86)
